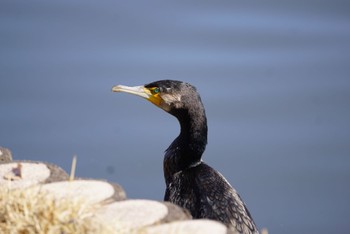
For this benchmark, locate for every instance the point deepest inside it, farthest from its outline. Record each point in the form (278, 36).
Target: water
(274, 78)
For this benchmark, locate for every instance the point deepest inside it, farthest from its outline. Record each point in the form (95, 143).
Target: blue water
(274, 77)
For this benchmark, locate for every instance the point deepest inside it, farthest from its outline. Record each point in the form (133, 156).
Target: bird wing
(220, 201)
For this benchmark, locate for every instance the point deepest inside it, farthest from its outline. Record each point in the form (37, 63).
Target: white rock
(22, 174)
(93, 191)
(133, 214)
(199, 226)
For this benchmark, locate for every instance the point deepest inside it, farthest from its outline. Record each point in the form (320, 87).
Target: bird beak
(136, 90)
(141, 91)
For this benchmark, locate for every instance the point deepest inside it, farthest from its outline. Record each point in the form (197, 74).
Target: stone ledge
(105, 204)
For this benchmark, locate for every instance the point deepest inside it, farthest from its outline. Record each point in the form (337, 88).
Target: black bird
(190, 183)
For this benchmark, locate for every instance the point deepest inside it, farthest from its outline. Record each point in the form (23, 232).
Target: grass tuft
(29, 211)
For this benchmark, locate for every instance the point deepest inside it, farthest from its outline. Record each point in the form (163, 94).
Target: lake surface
(274, 78)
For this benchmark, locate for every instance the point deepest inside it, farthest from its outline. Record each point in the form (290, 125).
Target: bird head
(165, 94)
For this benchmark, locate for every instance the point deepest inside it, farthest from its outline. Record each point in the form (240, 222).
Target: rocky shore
(39, 197)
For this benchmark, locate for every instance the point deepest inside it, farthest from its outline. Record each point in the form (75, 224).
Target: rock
(97, 205)
(132, 215)
(22, 174)
(56, 173)
(92, 191)
(5, 155)
(175, 213)
(119, 192)
(200, 226)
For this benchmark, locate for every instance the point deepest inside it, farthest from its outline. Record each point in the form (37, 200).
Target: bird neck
(187, 149)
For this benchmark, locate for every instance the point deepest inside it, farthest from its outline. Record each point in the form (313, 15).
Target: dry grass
(28, 211)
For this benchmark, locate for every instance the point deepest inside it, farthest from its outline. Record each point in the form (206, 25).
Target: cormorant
(190, 183)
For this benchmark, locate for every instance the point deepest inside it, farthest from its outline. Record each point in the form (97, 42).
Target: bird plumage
(190, 183)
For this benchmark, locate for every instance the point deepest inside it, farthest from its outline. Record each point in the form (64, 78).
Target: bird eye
(156, 90)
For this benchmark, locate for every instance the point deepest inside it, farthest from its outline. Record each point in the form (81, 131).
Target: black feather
(190, 183)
